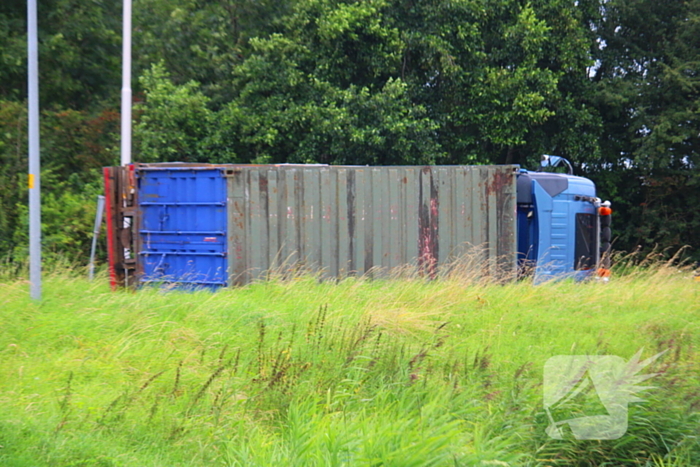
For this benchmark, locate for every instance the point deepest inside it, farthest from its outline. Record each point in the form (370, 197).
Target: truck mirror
(555, 161)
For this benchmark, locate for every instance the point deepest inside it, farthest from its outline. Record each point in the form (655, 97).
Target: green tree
(80, 145)
(175, 121)
(505, 79)
(13, 166)
(201, 40)
(13, 48)
(648, 92)
(327, 90)
(79, 66)
(67, 218)
(79, 52)
(470, 84)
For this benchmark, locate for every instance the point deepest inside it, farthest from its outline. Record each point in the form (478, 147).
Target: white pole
(126, 86)
(34, 163)
(126, 102)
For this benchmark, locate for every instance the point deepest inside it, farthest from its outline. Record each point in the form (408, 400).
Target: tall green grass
(356, 373)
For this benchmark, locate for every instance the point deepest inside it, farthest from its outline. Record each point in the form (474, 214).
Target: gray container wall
(354, 220)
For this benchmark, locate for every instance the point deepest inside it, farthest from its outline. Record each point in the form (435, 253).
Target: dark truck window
(586, 241)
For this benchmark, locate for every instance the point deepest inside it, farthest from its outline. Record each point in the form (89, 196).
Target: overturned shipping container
(221, 225)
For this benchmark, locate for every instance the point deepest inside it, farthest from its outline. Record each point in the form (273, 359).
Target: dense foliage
(612, 85)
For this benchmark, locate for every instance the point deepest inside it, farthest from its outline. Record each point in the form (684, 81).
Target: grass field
(358, 373)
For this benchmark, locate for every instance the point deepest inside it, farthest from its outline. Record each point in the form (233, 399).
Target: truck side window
(586, 241)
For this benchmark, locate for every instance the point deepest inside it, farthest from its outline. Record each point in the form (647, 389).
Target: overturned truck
(218, 225)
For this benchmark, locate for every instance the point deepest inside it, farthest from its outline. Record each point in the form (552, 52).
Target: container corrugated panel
(357, 220)
(183, 225)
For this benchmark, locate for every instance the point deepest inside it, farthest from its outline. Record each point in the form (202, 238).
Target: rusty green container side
(343, 221)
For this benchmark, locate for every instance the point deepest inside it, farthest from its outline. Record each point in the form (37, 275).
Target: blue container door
(183, 226)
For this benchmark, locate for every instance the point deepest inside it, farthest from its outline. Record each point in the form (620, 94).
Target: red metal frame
(111, 252)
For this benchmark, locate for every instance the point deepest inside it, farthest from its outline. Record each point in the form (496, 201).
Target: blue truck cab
(561, 232)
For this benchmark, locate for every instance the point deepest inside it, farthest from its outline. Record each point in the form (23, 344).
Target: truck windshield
(586, 241)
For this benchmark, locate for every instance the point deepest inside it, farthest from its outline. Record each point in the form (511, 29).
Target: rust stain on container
(500, 181)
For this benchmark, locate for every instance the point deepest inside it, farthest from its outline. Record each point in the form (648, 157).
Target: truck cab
(559, 225)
